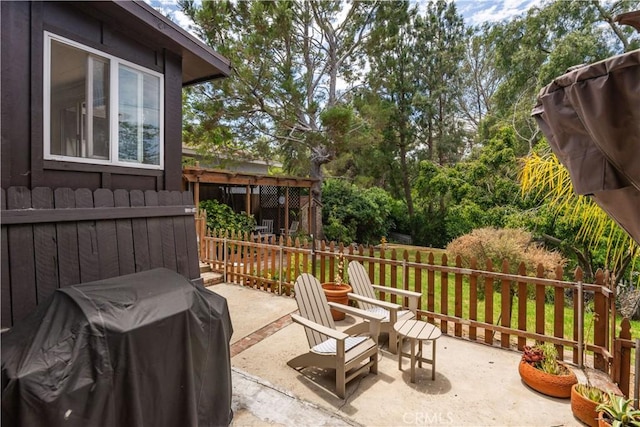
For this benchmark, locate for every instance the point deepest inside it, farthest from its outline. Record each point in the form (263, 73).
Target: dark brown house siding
(23, 26)
(66, 222)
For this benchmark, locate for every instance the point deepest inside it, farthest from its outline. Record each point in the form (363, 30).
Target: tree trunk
(316, 199)
(405, 178)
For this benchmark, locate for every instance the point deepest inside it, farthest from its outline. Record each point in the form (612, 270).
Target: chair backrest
(294, 227)
(313, 305)
(269, 224)
(360, 283)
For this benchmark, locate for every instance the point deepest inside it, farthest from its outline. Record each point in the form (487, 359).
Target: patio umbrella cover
(591, 118)
(145, 349)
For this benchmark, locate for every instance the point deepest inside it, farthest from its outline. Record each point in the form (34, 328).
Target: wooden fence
(55, 238)
(481, 303)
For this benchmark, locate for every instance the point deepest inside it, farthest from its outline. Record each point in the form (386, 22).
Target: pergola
(281, 197)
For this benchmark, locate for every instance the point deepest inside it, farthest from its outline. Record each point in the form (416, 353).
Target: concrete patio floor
(475, 385)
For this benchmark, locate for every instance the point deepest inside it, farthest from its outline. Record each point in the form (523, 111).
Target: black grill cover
(146, 349)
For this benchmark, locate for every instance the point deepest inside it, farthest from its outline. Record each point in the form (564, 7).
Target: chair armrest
(401, 292)
(384, 304)
(332, 333)
(413, 297)
(373, 319)
(356, 312)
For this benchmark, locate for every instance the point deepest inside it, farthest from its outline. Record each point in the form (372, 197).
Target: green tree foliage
(533, 48)
(408, 100)
(482, 190)
(287, 57)
(353, 215)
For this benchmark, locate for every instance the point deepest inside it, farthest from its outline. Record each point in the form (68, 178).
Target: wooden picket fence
(480, 303)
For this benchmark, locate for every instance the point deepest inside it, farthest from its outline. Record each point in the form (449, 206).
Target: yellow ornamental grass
(545, 178)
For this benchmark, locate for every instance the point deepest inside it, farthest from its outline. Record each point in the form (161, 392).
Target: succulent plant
(592, 393)
(544, 357)
(619, 412)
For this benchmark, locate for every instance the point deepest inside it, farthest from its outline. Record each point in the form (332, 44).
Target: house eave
(200, 63)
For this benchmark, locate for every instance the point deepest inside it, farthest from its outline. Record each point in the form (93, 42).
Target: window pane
(138, 116)
(79, 103)
(100, 111)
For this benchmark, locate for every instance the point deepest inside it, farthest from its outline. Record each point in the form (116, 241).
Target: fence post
(280, 272)
(601, 308)
(636, 384)
(224, 257)
(313, 255)
(580, 315)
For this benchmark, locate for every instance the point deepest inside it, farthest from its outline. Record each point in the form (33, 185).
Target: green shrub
(222, 218)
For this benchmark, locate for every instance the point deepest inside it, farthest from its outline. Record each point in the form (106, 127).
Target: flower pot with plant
(618, 412)
(540, 369)
(337, 291)
(584, 400)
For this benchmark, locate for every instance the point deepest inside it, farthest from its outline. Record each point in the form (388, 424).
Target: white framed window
(100, 109)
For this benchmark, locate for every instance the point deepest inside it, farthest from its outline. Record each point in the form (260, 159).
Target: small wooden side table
(417, 331)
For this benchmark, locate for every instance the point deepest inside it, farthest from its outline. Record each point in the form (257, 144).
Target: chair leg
(341, 381)
(393, 341)
(374, 367)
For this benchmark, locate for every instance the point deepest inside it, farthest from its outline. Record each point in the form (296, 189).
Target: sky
(475, 12)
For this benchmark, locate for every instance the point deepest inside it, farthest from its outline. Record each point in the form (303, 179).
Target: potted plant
(618, 412)
(540, 369)
(584, 401)
(337, 291)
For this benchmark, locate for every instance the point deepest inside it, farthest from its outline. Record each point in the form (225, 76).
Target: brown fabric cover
(591, 117)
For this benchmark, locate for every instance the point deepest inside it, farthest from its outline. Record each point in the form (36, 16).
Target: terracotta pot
(602, 421)
(338, 294)
(584, 409)
(551, 385)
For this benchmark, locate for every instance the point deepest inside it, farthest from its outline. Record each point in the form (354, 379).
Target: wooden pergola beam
(216, 176)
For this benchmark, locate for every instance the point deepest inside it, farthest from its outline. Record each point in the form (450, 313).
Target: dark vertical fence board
(21, 261)
(522, 306)
(505, 305)
(624, 361)
(180, 236)
(418, 282)
(166, 233)
(139, 233)
(87, 240)
(106, 233)
(540, 313)
(558, 312)
(124, 234)
(192, 241)
(458, 298)
(444, 294)
(45, 246)
(430, 288)
(473, 300)
(154, 228)
(5, 294)
(488, 304)
(394, 275)
(600, 327)
(67, 235)
(576, 313)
